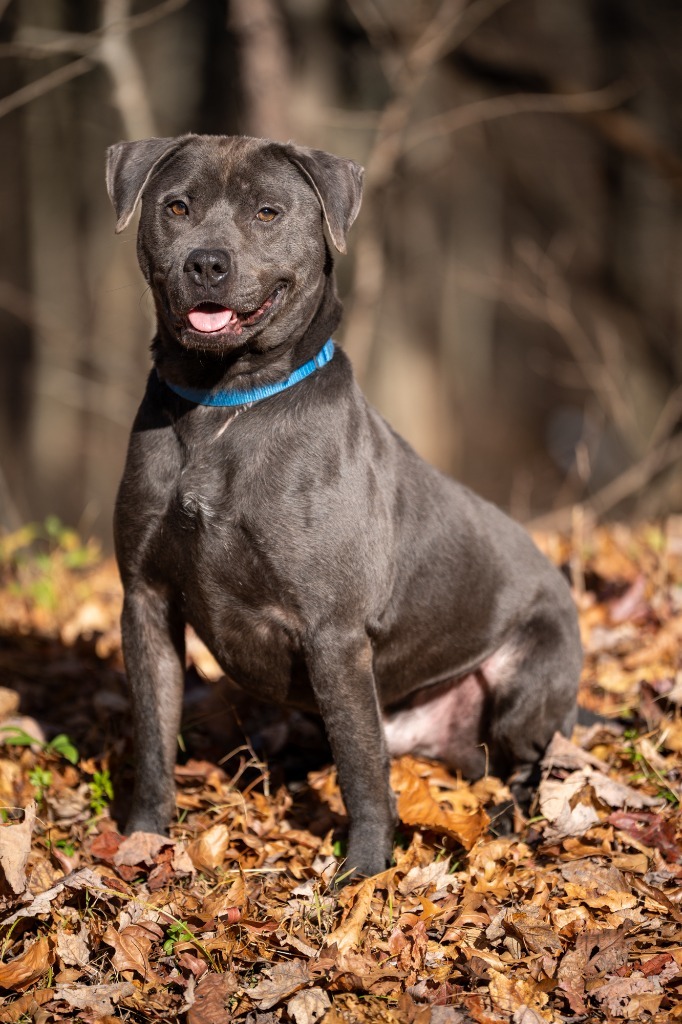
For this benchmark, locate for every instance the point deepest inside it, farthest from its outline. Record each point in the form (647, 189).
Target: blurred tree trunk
(16, 306)
(264, 66)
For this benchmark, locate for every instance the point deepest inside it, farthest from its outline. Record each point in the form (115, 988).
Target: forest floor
(576, 917)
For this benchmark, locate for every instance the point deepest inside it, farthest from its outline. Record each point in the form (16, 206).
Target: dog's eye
(178, 208)
(266, 214)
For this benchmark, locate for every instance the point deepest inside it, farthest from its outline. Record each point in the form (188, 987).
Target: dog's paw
(146, 823)
(361, 864)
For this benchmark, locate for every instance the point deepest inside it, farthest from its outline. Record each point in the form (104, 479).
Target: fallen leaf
(132, 945)
(99, 999)
(15, 847)
(193, 964)
(511, 994)
(536, 934)
(105, 845)
(348, 933)
(422, 876)
(207, 852)
(563, 753)
(9, 702)
(212, 998)
(73, 948)
(650, 829)
(27, 968)
(571, 821)
(308, 1006)
(26, 1005)
(619, 996)
(419, 805)
(525, 1015)
(282, 980)
(139, 848)
(84, 878)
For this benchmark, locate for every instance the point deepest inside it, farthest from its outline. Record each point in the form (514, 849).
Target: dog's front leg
(153, 648)
(342, 677)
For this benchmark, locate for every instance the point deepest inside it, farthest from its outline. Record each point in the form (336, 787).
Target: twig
(87, 44)
(669, 415)
(495, 107)
(43, 85)
(450, 26)
(622, 487)
(553, 307)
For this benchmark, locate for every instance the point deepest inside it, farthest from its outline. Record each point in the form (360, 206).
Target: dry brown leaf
(308, 1006)
(282, 980)
(140, 848)
(421, 805)
(212, 998)
(132, 945)
(27, 968)
(98, 999)
(510, 994)
(531, 928)
(671, 735)
(347, 935)
(73, 948)
(9, 702)
(26, 1005)
(12, 782)
(434, 875)
(622, 997)
(571, 821)
(218, 904)
(207, 851)
(15, 847)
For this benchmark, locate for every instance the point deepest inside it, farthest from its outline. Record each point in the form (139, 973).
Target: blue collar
(228, 397)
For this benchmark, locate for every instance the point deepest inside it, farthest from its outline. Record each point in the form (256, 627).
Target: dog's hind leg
(153, 648)
(534, 696)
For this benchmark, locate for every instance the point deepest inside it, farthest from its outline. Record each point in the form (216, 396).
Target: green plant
(176, 932)
(36, 560)
(41, 780)
(647, 772)
(13, 736)
(101, 791)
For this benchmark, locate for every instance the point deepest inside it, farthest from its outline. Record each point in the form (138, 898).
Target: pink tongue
(207, 321)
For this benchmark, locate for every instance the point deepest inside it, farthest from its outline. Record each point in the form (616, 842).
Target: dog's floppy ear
(337, 183)
(130, 165)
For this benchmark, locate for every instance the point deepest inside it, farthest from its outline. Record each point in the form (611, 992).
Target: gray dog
(321, 561)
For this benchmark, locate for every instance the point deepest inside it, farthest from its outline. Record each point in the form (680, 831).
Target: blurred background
(512, 286)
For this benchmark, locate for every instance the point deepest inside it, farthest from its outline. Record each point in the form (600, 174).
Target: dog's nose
(207, 267)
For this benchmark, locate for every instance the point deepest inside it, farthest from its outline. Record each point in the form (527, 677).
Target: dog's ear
(337, 183)
(130, 165)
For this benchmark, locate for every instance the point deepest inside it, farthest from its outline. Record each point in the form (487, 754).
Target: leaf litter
(575, 916)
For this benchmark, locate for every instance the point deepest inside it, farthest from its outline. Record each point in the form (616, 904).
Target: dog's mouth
(211, 318)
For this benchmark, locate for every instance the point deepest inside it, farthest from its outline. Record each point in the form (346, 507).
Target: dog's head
(231, 233)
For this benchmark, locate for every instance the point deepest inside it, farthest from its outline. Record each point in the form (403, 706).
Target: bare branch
(43, 85)
(495, 107)
(551, 304)
(48, 42)
(452, 23)
(624, 486)
(116, 52)
(88, 45)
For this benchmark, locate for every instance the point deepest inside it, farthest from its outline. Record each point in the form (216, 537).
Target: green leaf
(61, 744)
(13, 736)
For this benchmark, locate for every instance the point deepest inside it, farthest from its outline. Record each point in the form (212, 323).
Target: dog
(264, 502)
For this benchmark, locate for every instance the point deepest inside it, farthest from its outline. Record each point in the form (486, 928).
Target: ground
(577, 916)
